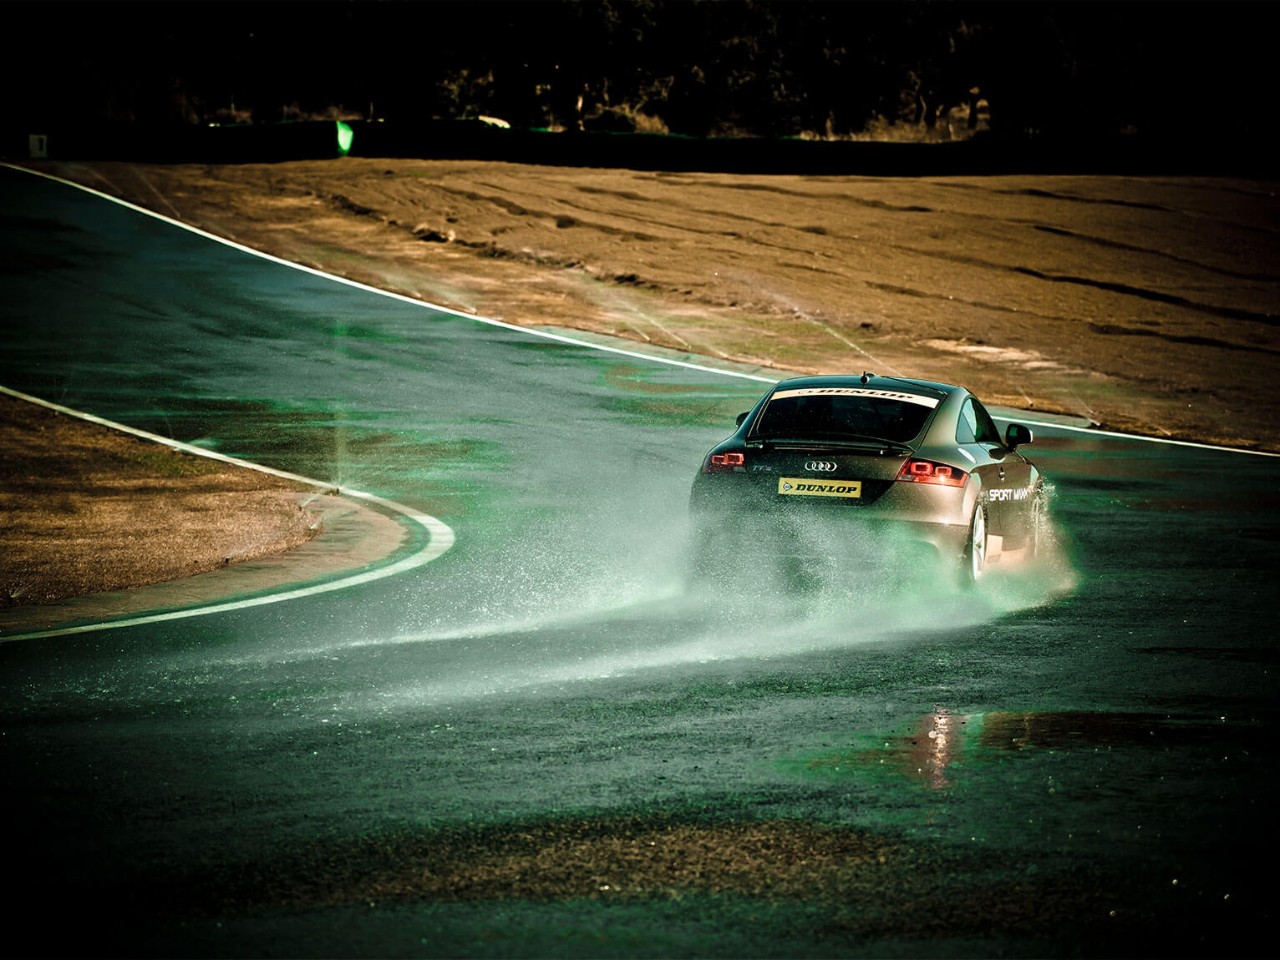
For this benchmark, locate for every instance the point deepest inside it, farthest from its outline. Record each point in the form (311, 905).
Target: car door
(979, 438)
(1016, 478)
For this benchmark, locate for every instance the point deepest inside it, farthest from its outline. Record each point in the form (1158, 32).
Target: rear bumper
(900, 521)
(851, 539)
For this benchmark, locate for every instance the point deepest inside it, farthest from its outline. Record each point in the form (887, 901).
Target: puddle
(930, 753)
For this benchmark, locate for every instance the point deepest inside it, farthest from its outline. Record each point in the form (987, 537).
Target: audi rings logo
(820, 466)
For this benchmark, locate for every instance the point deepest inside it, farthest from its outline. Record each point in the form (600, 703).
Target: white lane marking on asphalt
(441, 536)
(546, 335)
(543, 334)
(1093, 432)
(558, 337)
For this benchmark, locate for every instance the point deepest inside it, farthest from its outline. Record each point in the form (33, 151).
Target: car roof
(870, 381)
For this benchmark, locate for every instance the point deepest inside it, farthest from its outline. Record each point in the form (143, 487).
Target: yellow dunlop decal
(808, 487)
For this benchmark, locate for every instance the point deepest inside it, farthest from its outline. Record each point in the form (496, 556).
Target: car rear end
(833, 473)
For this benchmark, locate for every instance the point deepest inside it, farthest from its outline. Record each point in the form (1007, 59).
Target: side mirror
(742, 416)
(1016, 435)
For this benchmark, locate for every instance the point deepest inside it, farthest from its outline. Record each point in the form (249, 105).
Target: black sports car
(821, 465)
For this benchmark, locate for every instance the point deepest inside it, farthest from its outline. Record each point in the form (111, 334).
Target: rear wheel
(974, 564)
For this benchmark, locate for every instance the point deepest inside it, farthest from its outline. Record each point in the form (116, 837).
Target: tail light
(927, 471)
(725, 462)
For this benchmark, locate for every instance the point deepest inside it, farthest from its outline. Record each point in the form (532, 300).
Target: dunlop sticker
(857, 392)
(807, 487)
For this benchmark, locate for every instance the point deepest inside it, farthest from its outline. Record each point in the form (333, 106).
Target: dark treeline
(696, 67)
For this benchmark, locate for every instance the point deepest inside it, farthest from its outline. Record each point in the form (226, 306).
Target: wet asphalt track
(1080, 759)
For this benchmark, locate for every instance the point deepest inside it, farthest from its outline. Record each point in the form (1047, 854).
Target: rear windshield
(843, 413)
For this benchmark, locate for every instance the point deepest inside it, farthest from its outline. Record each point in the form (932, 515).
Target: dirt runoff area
(1146, 305)
(86, 509)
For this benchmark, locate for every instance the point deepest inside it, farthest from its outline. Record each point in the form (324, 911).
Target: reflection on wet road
(543, 743)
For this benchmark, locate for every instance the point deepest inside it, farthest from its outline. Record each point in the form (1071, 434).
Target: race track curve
(1076, 759)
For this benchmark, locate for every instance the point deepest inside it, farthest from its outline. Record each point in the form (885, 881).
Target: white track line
(1092, 432)
(441, 535)
(543, 334)
(560, 338)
